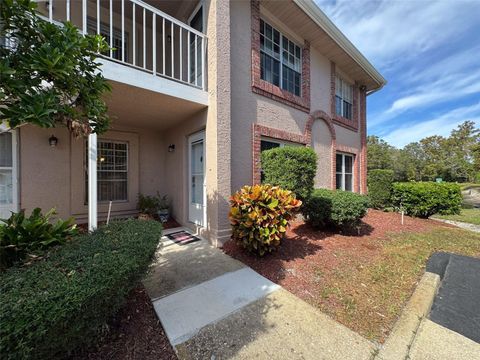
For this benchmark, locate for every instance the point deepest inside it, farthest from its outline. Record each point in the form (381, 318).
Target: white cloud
(446, 89)
(427, 49)
(441, 125)
(392, 31)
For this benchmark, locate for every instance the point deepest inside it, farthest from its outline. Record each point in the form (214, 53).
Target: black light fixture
(171, 148)
(53, 141)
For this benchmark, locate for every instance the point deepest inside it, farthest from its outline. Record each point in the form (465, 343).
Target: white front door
(8, 174)
(196, 178)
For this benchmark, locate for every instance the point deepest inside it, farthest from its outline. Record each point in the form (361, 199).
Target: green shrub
(150, 204)
(292, 168)
(337, 208)
(423, 199)
(259, 216)
(61, 302)
(380, 183)
(20, 234)
(477, 178)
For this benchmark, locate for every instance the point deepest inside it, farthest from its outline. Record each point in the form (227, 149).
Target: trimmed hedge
(337, 208)
(259, 215)
(292, 168)
(60, 303)
(380, 184)
(423, 199)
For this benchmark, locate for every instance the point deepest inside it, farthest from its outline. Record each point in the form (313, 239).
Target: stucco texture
(249, 108)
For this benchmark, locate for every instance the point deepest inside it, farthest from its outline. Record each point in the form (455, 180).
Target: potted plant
(151, 206)
(147, 206)
(163, 211)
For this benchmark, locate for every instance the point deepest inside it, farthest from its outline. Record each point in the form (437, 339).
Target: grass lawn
(471, 216)
(361, 281)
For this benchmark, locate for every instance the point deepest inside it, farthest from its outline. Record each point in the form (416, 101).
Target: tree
(455, 158)
(379, 153)
(49, 76)
(462, 147)
(434, 150)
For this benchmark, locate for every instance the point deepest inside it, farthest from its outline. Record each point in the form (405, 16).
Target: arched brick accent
(322, 115)
(259, 130)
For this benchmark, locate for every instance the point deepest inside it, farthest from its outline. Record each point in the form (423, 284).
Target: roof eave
(322, 20)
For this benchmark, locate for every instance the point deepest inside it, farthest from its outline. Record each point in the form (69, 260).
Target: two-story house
(199, 89)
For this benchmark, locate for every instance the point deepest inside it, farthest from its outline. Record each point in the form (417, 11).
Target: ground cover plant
(60, 303)
(361, 281)
(21, 235)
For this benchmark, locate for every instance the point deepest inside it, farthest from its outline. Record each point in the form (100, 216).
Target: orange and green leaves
(259, 216)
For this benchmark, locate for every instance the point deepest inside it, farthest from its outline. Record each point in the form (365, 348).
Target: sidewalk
(214, 307)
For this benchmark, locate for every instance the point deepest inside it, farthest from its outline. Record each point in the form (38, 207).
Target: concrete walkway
(460, 224)
(214, 307)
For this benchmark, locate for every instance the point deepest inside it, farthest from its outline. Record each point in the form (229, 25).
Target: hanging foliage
(49, 76)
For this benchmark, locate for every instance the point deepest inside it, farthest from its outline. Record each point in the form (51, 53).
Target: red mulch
(171, 223)
(134, 333)
(305, 250)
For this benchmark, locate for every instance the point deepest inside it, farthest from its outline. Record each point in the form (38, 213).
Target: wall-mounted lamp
(53, 141)
(171, 148)
(363, 88)
(169, 38)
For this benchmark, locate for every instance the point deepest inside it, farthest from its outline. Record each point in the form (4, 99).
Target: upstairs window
(343, 98)
(281, 59)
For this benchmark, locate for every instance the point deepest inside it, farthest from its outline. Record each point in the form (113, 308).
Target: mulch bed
(317, 265)
(134, 333)
(304, 245)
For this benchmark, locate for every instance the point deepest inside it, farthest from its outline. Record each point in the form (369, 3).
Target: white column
(92, 182)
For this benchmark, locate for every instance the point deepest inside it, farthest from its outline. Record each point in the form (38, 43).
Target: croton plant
(259, 215)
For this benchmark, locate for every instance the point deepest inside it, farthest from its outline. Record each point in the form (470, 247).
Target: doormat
(182, 237)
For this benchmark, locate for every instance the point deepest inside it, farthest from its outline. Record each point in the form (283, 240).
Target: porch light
(53, 141)
(171, 148)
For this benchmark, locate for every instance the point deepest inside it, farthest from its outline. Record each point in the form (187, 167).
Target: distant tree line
(452, 158)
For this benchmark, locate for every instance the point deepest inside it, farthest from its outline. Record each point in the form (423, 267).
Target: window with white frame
(6, 169)
(281, 59)
(112, 171)
(344, 172)
(343, 98)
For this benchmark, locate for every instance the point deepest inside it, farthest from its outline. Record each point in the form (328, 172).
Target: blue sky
(429, 52)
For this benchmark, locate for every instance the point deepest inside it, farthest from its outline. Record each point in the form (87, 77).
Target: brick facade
(363, 135)
(337, 119)
(264, 88)
(267, 89)
(305, 139)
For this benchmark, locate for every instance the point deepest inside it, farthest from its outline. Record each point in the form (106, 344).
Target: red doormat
(182, 237)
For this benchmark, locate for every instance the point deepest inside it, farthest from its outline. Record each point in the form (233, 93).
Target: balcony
(145, 41)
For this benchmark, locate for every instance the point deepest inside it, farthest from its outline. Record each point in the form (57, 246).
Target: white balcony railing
(140, 36)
